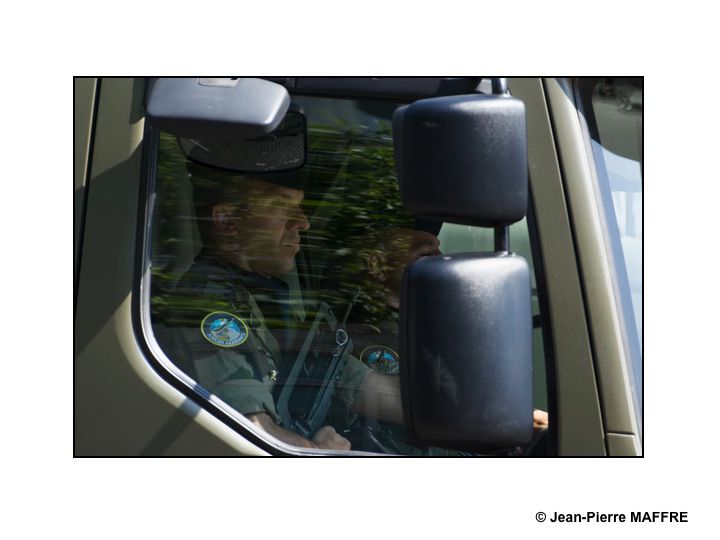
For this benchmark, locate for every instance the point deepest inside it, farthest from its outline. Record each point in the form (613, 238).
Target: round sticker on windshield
(382, 359)
(224, 329)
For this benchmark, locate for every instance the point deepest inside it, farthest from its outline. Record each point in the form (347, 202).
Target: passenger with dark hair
(368, 271)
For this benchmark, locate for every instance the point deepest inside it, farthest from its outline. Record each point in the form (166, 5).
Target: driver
(224, 312)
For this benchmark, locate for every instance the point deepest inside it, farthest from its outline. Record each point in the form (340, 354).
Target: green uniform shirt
(212, 327)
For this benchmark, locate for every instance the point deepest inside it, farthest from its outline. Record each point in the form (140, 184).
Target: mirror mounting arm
(502, 233)
(502, 238)
(499, 85)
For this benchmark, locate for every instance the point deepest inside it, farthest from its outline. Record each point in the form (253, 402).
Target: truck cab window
(279, 292)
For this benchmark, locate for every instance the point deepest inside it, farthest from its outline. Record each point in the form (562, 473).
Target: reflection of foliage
(173, 220)
(363, 205)
(173, 202)
(357, 188)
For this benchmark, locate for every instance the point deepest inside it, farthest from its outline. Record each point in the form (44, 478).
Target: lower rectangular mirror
(466, 345)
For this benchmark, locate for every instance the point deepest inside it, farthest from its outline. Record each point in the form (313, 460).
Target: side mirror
(466, 349)
(466, 319)
(463, 159)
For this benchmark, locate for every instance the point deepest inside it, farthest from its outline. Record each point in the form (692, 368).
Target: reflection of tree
(173, 204)
(363, 176)
(172, 222)
(366, 207)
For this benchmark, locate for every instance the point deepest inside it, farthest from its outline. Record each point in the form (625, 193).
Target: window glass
(279, 292)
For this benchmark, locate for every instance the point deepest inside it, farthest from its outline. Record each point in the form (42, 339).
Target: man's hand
(326, 437)
(540, 419)
(379, 398)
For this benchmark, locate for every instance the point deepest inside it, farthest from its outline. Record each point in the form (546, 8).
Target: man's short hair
(210, 188)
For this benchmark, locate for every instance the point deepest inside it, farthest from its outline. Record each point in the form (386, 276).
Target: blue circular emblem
(382, 359)
(224, 329)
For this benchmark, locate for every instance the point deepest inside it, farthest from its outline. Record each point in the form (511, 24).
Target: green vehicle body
(124, 407)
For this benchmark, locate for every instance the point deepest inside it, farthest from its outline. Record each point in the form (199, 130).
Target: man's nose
(299, 221)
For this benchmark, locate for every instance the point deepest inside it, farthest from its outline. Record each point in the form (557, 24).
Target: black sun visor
(283, 149)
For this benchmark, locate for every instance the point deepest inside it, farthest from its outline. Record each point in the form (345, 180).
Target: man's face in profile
(265, 227)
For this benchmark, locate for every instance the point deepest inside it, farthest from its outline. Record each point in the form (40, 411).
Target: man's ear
(222, 216)
(376, 265)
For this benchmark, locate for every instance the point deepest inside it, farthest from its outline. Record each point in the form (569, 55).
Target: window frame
(582, 90)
